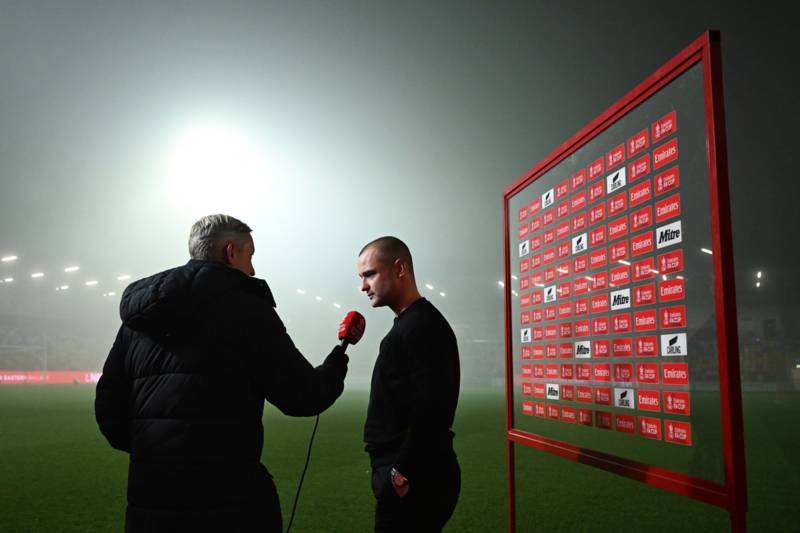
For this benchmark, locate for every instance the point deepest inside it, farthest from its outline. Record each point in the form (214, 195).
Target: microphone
(352, 328)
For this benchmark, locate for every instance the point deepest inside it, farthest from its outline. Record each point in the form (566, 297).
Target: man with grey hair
(183, 388)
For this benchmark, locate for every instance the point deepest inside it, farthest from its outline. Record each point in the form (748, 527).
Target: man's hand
(399, 483)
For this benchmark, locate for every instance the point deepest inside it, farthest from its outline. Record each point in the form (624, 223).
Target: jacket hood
(163, 302)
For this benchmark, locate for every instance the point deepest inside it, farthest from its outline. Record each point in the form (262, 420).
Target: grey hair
(209, 234)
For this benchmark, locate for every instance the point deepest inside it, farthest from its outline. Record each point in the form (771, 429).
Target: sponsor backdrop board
(619, 338)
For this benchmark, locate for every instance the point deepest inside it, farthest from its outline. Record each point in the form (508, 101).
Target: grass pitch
(57, 473)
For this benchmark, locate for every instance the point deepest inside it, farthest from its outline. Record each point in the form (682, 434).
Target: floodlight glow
(37, 275)
(680, 277)
(622, 261)
(515, 278)
(91, 283)
(664, 277)
(706, 251)
(539, 284)
(337, 306)
(64, 287)
(501, 284)
(318, 298)
(300, 291)
(442, 294)
(514, 293)
(429, 286)
(123, 278)
(72, 269)
(8, 280)
(758, 274)
(758, 283)
(112, 293)
(8, 258)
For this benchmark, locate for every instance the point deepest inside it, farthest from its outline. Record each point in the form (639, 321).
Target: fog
(324, 125)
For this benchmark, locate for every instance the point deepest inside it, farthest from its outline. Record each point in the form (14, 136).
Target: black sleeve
(424, 413)
(112, 397)
(285, 377)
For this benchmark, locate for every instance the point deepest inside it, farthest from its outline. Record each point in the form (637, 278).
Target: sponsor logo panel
(640, 193)
(673, 317)
(602, 395)
(641, 218)
(602, 419)
(524, 248)
(617, 204)
(568, 393)
(583, 349)
(551, 351)
(667, 208)
(562, 189)
(535, 206)
(600, 325)
(671, 289)
(548, 217)
(619, 250)
(564, 310)
(620, 299)
(677, 402)
(647, 346)
(665, 154)
(524, 283)
(567, 372)
(622, 347)
(565, 350)
(623, 373)
(585, 417)
(581, 328)
(538, 409)
(562, 209)
(644, 320)
(579, 222)
(562, 230)
(625, 423)
(547, 199)
(578, 179)
(596, 168)
(644, 294)
(523, 231)
(671, 262)
(527, 408)
(665, 126)
(642, 243)
(616, 180)
(527, 389)
(579, 244)
(536, 224)
(601, 372)
(667, 181)
(523, 213)
(600, 281)
(602, 348)
(650, 428)
(598, 258)
(648, 400)
(599, 303)
(623, 398)
(581, 305)
(568, 414)
(527, 352)
(620, 275)
(552, 391)
(639, 168)
(565, 330)
(584, 394)
(678, 432)
(580, 285)
(577, 201)
(673, 344)
(525, 335)
(615, 157)
(597, 236)
(638, 142)
(675, 374)
(552, 411)
(596, 191)
(669, 234)
(564, 289)
(647, 373)
(621, 323)
(597, 213)
(524, 266)
(527, 371)
(617, 228)
(551, 372)
(536, 260)
(643, 269)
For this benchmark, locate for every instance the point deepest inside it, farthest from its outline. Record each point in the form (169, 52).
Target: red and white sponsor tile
(622, 347)
(523, 213)
(552, 411)
(549, 274)
(550, 331)
(667, 181)
(565, 350)
(568, 414)
(523, 231)
(525, 300)
(600, 280)
(536, 297)
(551, 371)
(525, 317)
(678, 432)
(562, 188)
(562, 209)
(538, 351)
(527, 408)
(600, 325)
(580, 264)
(617, 204)
(584, 394)
(539, 409)
(665, 126)
(619, 250)
(675, 373)
(643, 269)
(601, 372)
(537, 278)
(598, 258)
(615, 157)
(647, 346)
(524, 283)
(618, 228)
(620, 275)
(568, 393)
(639, 168)
(602, 348)
(527, 389)
(585, 417)
(671, 289)
(669, 207)
(567, 372)
(625, 423)
(578, 222)
(599, 303)
(536, 242)
(578, 179)
(596, 168)
(640, 193)
(562, 250)
(527, 352)
(549, 236)
(623, 372)
(677, 402)
(621, 323)
(580, 306)
(644, 320)
(648, 400)
(565, 330)
(638, 143)
(583, 372)
(562, 230)
(580, 286)
(577, 201)
(641, 218)
(642, 243)
(564, 289)
(602, 395)
(673, 317)
(538, 333)
(644, 294)
(647, 373)
(670, 262)
(524, 265)
(536, 224)
(551, 351)
(564, 309)
(665, 154)
(597, 213)
(649, 427)
(596, 191)
(602, 419)
(581, 328)
(597, 236)
(548, 256)
(548, 217)
(527, 371)
(538, 371)
(535, 206)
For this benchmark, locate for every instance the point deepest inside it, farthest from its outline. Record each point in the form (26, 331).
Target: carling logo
(669, 234)
(547, 199)
(673, 344)
(550, 294)
(524, 248)
(579, 244)
(620, 299)
(583, 349)
(623, 398)
(616, 180)
(525, 335)
(552, 391)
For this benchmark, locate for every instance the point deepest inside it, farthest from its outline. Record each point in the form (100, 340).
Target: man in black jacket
(415, 475)
(182, 391)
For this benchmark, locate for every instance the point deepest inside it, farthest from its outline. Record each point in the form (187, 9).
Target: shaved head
(390, 249)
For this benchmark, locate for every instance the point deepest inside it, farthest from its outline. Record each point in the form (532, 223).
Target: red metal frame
(732, 495)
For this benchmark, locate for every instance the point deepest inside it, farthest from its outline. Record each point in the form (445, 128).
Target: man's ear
(228, 250)
(402, 271)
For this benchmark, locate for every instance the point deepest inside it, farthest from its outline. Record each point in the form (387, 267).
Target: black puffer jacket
(200, 349)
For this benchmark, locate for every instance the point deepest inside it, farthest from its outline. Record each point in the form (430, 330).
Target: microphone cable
(303, 475)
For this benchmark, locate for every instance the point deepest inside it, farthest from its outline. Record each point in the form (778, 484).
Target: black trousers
(427, 507)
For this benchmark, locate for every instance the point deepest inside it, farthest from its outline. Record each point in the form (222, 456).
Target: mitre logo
(583, 349)
(620, 299)
(669, 235)
(552, 391)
